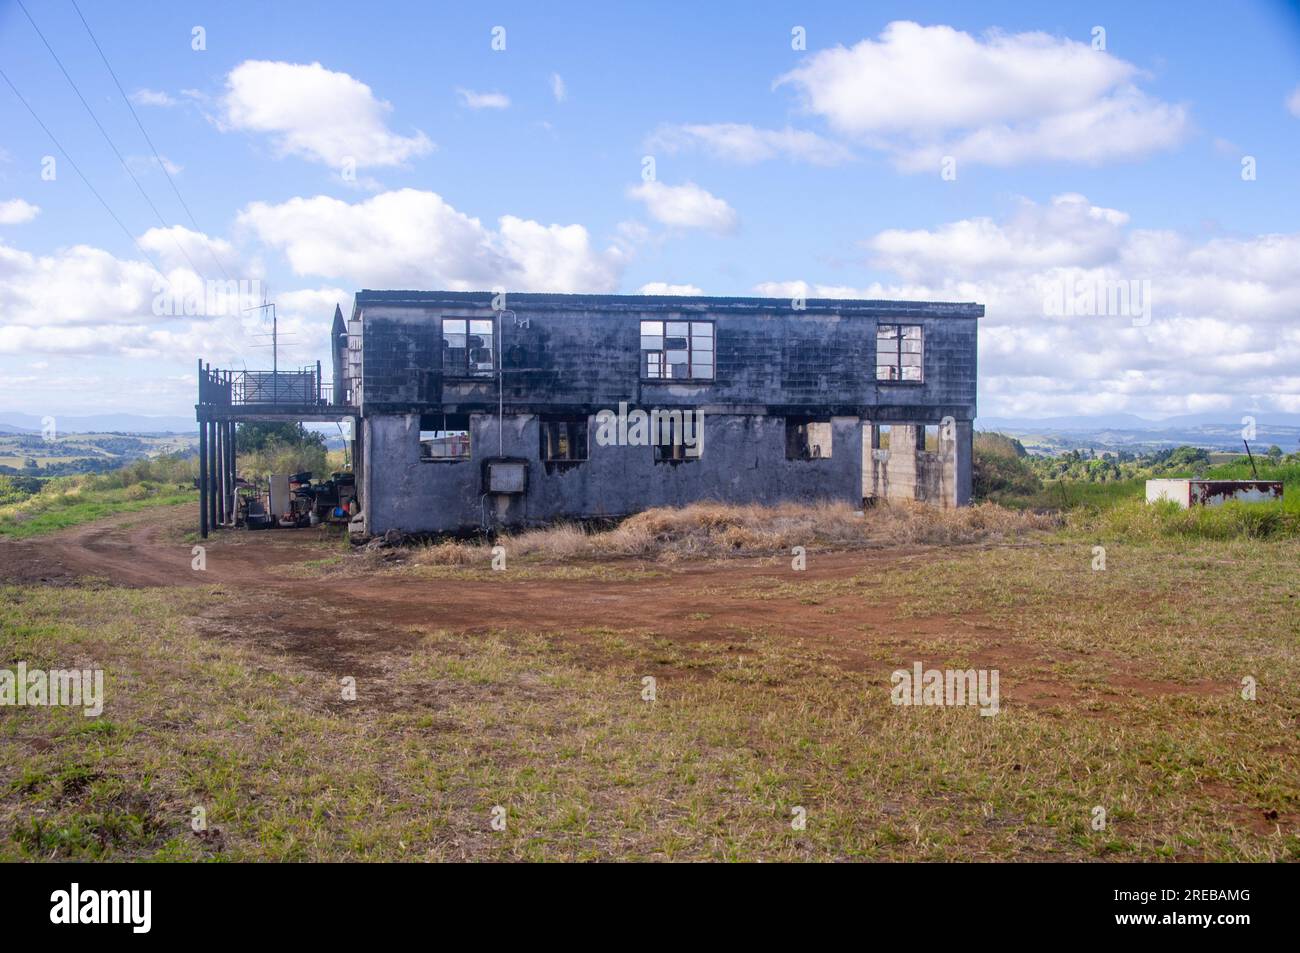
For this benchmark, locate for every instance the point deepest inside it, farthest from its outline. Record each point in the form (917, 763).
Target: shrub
(1000, 469)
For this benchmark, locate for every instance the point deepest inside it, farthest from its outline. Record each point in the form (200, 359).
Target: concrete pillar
(903, 469)
(963, 477)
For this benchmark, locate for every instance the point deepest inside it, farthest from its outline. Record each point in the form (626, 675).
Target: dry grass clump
(715, 530)
(447, 554)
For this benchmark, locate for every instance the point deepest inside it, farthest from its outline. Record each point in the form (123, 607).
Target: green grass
(53, 510)
(748, 724)
(1138, 520)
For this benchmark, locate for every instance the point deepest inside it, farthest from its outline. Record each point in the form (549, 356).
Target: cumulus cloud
(663, 288)
(414, 239)
(923, 92)
(17, 212)
(1293, 102)
(558, 89)
(1220, 335)
(746, 144)
(83, 301)
(315, 114)
(475, 100)
(685, 206)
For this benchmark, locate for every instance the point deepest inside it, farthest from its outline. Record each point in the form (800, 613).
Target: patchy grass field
(59, 509)
(525, 690)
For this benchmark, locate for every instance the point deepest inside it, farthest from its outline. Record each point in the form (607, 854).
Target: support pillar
(221, 474)
(963, 477)
(231, 508)
(212, 473)
(203, 479)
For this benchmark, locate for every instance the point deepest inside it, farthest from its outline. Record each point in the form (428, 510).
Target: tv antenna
(275, 334)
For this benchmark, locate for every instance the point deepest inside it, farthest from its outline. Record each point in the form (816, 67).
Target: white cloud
(414, 239)
(1069, 230)
(558, 89)
(84, 302)
(738, 142)
(923, 92)
(142, 164)
(150, 97)
(316, 114)
(663, 288)
(685, 206)
(17, 212)
(1293, 102)
(475, 100)
(1221, 332)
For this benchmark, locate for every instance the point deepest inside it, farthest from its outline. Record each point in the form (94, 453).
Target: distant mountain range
(1212, 431)
(99, 423)
(1216, 419)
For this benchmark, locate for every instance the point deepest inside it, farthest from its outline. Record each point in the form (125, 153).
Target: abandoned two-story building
(476, 410)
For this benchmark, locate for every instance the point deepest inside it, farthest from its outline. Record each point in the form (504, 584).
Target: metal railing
(303, 387)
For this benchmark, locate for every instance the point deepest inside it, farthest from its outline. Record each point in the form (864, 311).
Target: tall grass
(1137, 520)
(69, 501)
(713, 530)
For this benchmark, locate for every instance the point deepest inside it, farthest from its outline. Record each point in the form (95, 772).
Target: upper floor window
(467, 346)
(677, 350)
(899, 352)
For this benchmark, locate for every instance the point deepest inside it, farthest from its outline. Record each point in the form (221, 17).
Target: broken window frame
(700, 338)
(573, 433)
(460, 365)
(900, 353)
(799, 444)
(447, 426)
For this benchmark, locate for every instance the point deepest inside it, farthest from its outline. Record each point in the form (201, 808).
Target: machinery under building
(474, 410)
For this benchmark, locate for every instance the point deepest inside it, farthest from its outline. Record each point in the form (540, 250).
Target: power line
(76, 167)
(161, 164)
(108, 139)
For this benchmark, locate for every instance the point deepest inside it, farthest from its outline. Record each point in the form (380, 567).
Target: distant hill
(99, 423)
(1217, 419)
(1213, 431)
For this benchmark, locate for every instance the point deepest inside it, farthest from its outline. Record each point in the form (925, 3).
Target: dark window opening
(467, 347)
(670, 437)
(899, 352)
(444, 437)
(677, 350)
(564, 439)
(807, 439)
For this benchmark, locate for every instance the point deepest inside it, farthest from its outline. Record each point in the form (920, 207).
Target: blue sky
(777, 171)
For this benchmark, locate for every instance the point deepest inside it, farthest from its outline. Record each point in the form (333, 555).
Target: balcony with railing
(301, 393)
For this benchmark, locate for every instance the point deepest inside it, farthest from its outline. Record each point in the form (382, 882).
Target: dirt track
(355, 622)
(147, 549)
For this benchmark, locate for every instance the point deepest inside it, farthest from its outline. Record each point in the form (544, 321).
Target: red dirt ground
(348, 623)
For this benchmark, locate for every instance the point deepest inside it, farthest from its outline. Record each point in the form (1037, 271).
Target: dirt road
(358, 622)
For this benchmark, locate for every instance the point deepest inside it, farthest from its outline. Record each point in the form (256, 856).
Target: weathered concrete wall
(579, 354)
(908, 471)
(770, 359)
(743, 461)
